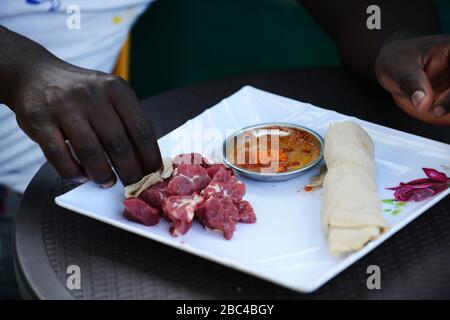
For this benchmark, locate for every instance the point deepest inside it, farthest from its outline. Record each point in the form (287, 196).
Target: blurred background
(181, 42)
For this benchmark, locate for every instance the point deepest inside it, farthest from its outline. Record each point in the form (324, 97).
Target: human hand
(417, 73)
(99, 115)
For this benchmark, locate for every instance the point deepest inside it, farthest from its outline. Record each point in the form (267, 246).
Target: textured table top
(119, 265)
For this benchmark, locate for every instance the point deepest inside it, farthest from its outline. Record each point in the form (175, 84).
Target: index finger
(139, 130)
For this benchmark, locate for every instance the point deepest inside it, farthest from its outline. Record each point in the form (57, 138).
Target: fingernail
(439, 111)
(80, 180)
(107, 185)
(417, 97)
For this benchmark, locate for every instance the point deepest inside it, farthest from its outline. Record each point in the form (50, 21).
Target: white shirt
(86, 33)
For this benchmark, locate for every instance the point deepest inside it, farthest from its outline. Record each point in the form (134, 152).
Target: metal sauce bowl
(275, 176)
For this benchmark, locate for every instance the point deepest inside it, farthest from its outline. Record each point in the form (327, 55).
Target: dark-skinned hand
(417, 73)
(97, 113)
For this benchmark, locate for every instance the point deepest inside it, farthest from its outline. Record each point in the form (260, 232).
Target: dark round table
(119, 265)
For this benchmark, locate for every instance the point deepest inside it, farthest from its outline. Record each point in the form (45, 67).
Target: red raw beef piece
(212, 169)
(222, 174)
(219, 214)
(180, 210)
(246, 213)
(137, 210)
(210, 192)
(190, 158)
(155, 195)
(224, 184)
(187, 179)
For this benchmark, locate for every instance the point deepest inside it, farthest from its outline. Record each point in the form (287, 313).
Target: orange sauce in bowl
(273, 149)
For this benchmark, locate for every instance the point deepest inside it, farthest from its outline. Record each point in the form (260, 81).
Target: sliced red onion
(416, 181)
(421, 189)
(413, 194)
(419, 185)
(435, 175)
(439, 187)
(413, 186)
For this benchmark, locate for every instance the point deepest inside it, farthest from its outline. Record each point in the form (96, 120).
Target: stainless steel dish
(277, 176)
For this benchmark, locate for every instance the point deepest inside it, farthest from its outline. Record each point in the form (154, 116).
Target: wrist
(21, 59)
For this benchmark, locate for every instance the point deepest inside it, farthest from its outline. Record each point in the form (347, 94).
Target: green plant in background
(180, 42)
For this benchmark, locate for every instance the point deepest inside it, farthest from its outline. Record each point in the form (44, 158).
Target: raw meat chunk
(190, 158)
(246, 213)
(212, 169)
(187, 179)
(223, 184)
(180, 210)
(138, 211)
(222, 174)
(196, 188)
(219, 214)
(155, 195)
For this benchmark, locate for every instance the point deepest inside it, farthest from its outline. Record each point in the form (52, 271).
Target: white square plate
(286, 245)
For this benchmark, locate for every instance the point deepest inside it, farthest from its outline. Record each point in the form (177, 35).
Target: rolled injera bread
(351, 208)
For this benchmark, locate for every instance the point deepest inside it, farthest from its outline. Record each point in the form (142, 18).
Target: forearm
(345, 21)
(18, 57)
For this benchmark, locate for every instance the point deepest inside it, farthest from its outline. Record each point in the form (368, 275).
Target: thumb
(414, 85)
(403, 76)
